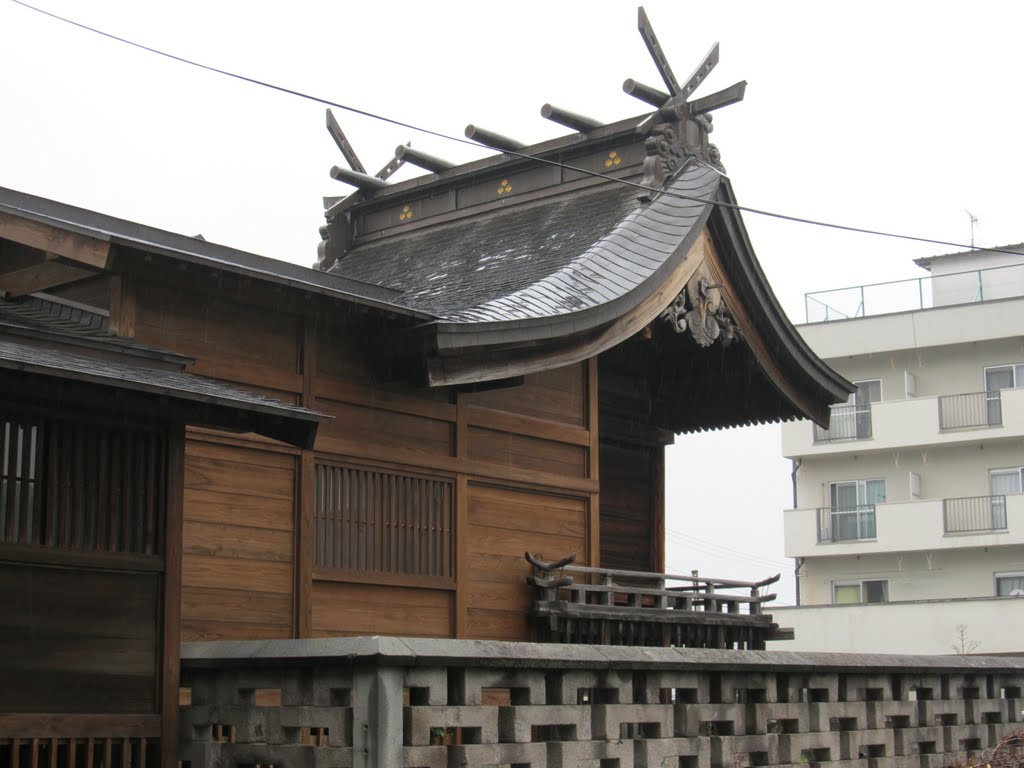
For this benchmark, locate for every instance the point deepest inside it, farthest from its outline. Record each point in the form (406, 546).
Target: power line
(725, 552)
(534, 158)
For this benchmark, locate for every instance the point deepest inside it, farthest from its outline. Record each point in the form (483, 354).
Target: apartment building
(908, 523)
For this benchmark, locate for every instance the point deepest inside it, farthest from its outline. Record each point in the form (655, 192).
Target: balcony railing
(969, 411)
(917, 293)
(846, 422)
(847, 523)
(974, 513)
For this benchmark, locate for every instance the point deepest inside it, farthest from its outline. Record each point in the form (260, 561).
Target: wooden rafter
(84, 250)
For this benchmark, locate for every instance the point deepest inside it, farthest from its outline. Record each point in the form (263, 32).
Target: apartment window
(851, 511)
(856, 592)
(1002, 482)
(999, 377)
(852, 421)
(378, 523)
(1010, 584)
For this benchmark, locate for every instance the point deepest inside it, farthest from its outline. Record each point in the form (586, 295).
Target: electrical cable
(542, 160)
(726, 551)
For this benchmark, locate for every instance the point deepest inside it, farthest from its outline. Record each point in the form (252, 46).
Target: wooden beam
(343, 144)
(593, 463)
(87, 251)
(122, 306)
(170, 682)
(461, 602)
(304, 546)
(305, 478)
(46, 274)
(658, 509)
(60, 725)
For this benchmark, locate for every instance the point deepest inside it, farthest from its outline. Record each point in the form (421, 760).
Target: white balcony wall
(901, 424)
(1003, 318)
(925, 627)
(904, 527)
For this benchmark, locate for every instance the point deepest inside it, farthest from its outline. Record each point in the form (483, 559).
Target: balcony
(846, 422)
(936, 524)
(970, 411)
(850, 524)
(974, 513)
(944, 290)
(909, 423)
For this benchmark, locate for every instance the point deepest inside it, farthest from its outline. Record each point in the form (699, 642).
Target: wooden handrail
(579, 603)
(565, 565)
(648, 591)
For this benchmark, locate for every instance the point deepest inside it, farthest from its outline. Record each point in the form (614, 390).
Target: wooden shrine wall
(88, 564)
(238, 556)
(631, 508)
(487, 475)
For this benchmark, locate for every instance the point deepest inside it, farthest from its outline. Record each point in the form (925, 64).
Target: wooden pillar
(304, 546)
(594, 467)
(658, 508)
(304, 480)
(460, 609)
(170, 681)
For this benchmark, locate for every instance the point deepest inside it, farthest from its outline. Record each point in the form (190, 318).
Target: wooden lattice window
(374, 522)
(78, 486)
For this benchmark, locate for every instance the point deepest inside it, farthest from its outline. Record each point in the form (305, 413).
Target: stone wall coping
(422, 652)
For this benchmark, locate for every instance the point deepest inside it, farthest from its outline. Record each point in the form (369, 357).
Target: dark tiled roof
(175, 384)
(189, 249)
(44, 318)
(540, 260)
(38, 313)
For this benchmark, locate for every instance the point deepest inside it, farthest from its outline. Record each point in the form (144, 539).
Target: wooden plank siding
(503, 523)
(77, 640)
(350, 609)
(238, 542)
(628, 506)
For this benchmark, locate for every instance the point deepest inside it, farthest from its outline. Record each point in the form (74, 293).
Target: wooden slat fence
(84, 752)
(373, 522)
(80, 486)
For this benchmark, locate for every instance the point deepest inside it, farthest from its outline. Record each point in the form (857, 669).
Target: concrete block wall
(374, 702)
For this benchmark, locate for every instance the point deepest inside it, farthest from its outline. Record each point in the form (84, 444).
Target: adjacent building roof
(140, 237)
(45, 336)
(230, 406)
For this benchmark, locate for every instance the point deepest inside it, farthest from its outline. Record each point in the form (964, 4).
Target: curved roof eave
(799, 363)
(636, 258)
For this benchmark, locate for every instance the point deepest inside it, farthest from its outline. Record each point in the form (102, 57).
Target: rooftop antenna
(974, 221)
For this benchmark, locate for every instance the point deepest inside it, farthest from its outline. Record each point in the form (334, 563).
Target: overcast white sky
(892, 116)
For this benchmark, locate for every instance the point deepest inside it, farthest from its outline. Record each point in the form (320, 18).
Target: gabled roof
(575, 259)
(551, 254)
(572, 270)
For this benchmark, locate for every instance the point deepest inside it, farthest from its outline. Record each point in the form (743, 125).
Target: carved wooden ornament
(699, 308)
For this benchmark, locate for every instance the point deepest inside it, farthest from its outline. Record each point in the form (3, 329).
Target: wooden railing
(79, 741)
(580, 604)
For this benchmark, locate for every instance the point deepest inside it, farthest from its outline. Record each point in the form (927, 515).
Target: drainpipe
(797, 463)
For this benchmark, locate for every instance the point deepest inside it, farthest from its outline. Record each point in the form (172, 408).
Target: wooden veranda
(607, 606)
